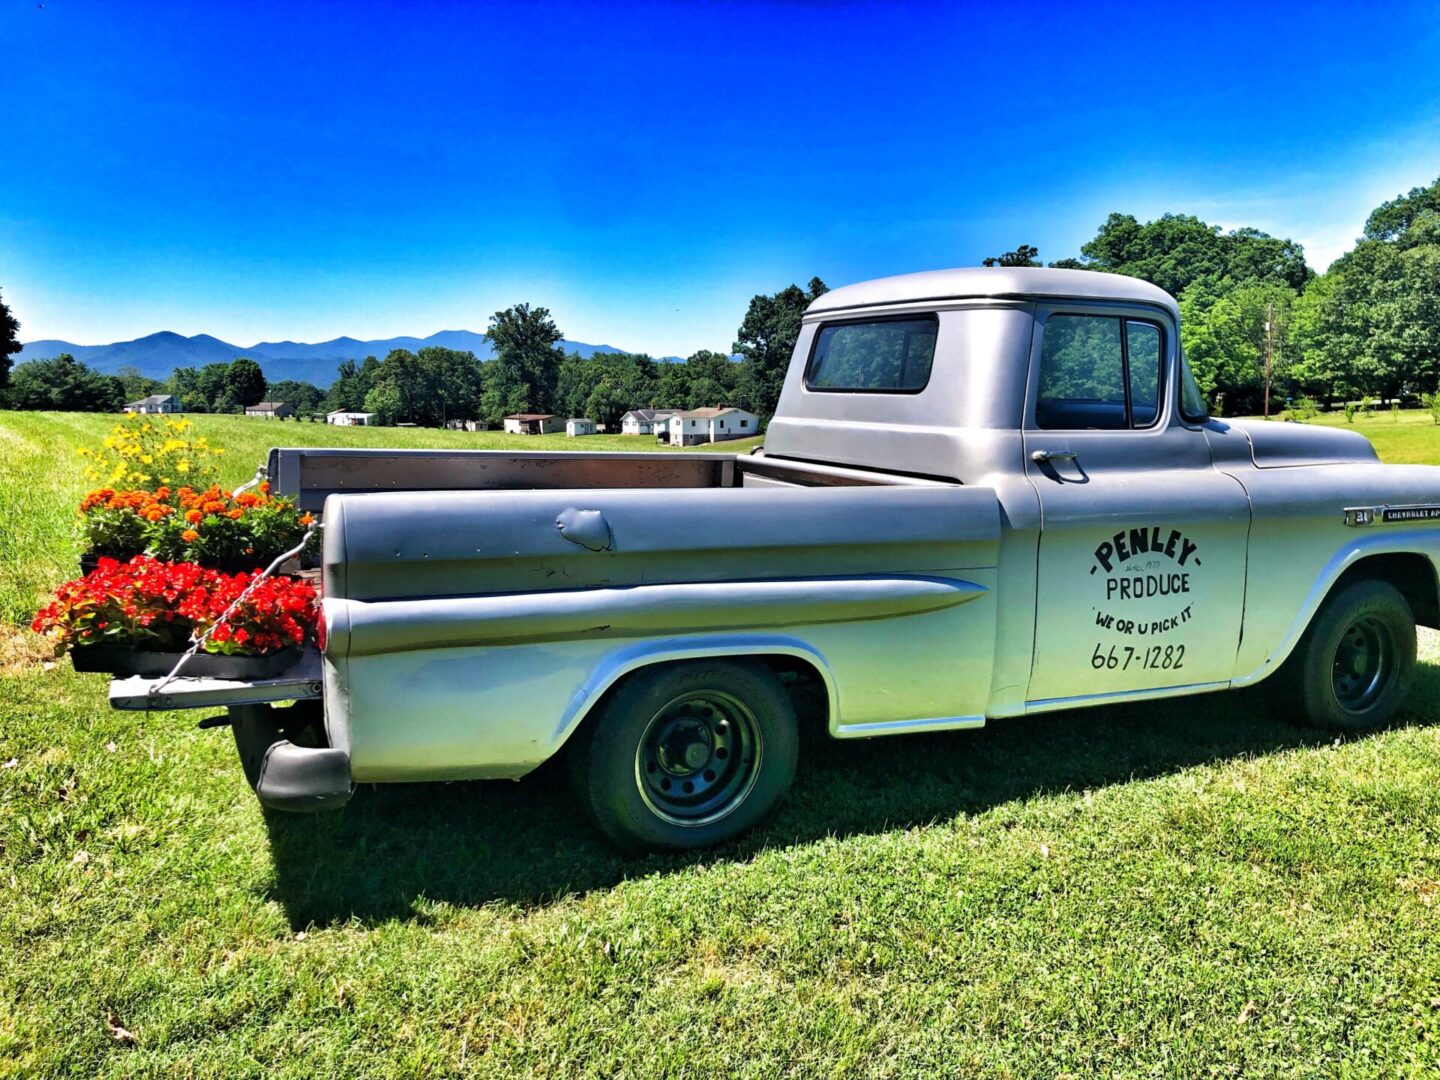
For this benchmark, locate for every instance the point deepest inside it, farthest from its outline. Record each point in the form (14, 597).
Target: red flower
(145, 604)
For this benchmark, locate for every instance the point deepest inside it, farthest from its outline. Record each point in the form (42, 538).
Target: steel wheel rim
(698, 757)
(1364, 663)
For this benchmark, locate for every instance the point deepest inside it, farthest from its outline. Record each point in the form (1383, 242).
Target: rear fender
(616, 665)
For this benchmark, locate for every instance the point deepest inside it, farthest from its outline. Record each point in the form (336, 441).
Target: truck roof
(1003, 282)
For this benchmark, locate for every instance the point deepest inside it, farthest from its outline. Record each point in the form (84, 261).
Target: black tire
(1351, 669)
(686, 755)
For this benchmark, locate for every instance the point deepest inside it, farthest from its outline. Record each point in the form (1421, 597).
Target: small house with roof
(645, 421)
(270, 410)
(533, 423)
(155, 403)
(346, 418)
(711, 424)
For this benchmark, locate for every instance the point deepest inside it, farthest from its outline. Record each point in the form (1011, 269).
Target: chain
(197, 643)
(261, 471)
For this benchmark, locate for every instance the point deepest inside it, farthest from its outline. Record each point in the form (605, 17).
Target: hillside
(157, 355)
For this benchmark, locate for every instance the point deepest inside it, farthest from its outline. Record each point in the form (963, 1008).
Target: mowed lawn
(1189, 889)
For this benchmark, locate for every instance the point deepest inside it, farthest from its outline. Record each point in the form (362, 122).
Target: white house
(271, 410)
(533, 423)
(155, 403)
(645, 421)
(579, 426)
(349, 419)
(711, 424)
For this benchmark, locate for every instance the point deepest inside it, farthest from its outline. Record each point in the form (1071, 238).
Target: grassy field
(1184, 890)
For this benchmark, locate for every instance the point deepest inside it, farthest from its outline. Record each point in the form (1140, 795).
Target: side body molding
(357, 628)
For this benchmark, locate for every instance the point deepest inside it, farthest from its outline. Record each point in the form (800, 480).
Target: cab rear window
(876, 356)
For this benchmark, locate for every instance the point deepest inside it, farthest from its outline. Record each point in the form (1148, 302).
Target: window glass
(1082, 373)
(885, 356)
(1144, 355)
(1192, 401)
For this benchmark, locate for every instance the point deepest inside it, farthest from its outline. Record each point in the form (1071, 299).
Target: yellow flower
(183, 466)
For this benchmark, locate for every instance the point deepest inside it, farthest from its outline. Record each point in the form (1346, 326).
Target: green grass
(1183, 890)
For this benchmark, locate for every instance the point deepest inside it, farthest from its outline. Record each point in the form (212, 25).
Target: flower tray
(158, 664)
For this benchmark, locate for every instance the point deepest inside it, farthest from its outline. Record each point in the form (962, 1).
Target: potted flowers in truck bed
(139, 616)
(210, 527)
(167, 554)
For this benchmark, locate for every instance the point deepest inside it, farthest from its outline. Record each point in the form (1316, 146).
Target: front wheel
(687, 755)
(1352, 667)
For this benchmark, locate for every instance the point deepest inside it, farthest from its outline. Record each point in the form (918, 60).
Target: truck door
(1141, 576)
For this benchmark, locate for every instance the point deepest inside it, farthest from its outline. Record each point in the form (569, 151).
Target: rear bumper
(298, 779)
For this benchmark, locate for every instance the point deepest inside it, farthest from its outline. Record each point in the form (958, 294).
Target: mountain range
(157, 355)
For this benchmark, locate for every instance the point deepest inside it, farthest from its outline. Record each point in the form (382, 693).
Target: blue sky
(298, 170)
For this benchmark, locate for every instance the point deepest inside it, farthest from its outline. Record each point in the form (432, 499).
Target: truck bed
(313, 474)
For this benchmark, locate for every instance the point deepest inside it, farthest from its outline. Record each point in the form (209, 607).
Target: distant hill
(157, 355)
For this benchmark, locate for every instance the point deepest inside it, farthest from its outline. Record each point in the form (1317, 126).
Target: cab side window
(1099, 372)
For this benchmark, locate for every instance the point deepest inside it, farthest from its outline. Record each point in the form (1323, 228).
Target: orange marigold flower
(190, 536)
(154, 514)
(307, 519)
(213, 506)
(234, 515)
(264, 487)
(193, 516)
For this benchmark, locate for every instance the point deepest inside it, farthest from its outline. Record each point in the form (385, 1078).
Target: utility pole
(1269, 351)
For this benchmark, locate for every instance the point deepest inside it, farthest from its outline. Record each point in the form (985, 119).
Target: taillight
(320, 630)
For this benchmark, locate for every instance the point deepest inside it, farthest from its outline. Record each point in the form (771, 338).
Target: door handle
(1054, 455)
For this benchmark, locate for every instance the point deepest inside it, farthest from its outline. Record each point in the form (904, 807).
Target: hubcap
(1364, 663)
(698, 757)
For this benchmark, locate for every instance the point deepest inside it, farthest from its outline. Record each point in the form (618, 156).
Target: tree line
(1367, 327)
(528, 373)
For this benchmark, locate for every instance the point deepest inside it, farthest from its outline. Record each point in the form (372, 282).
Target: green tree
(184, 383)
(9, 342)
(766, 339)
(137, 385)
(526, 369)
(65, 384)
(352, 384)
(714, 379)
(210, 381)
(244, 383)
(1371, 326)
(1024, 255)
(305, 397)
(1224, 338)
(1391, 221)
(1322, 367)
(1177, 250)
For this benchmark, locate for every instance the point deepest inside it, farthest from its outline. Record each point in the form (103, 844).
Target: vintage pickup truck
(985, 493)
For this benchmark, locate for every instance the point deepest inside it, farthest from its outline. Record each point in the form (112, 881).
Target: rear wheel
(687, 755)
(1351, 669)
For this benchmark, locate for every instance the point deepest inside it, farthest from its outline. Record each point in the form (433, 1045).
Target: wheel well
(801, 679)
(1412, 574)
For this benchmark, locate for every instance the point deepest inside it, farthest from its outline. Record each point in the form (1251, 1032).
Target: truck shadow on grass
(529, 843)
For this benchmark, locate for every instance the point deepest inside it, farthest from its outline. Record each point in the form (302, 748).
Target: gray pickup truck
(985, 493)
